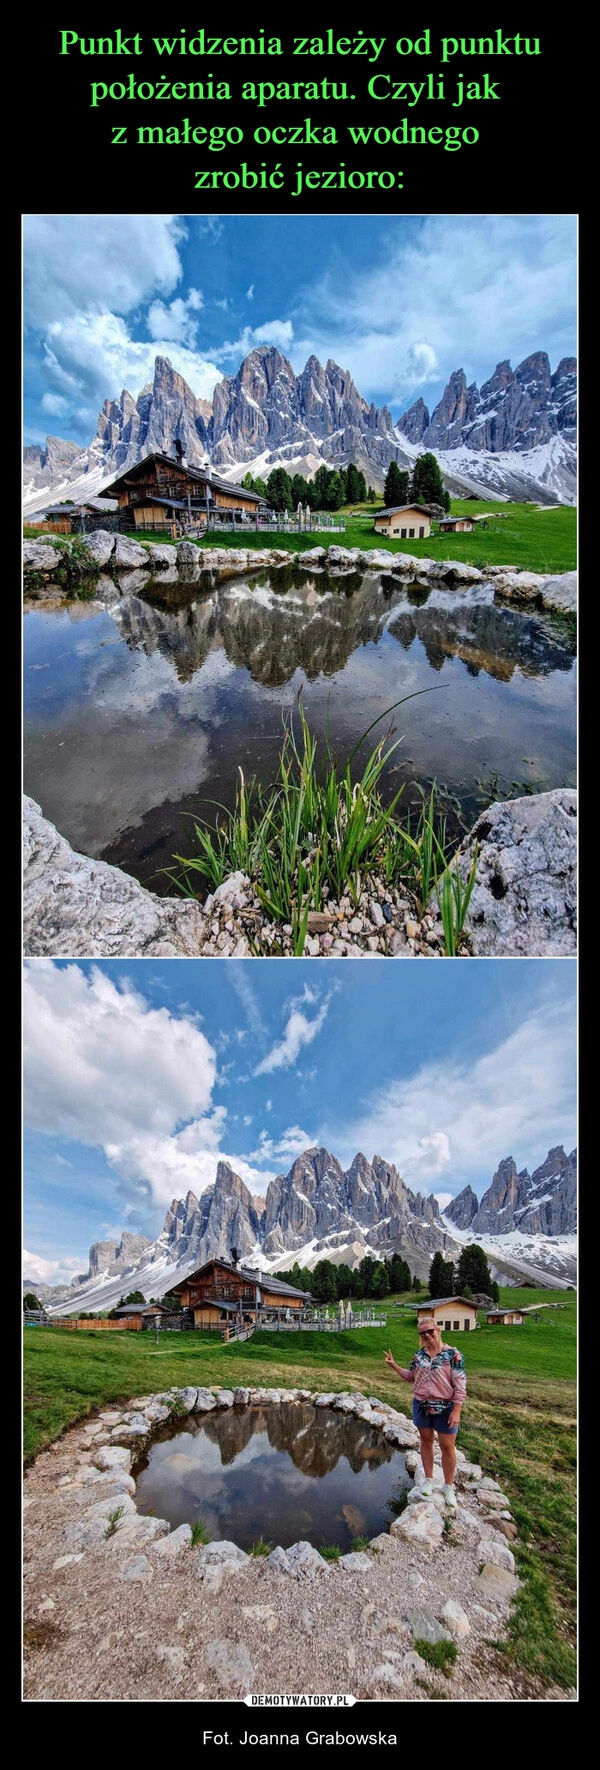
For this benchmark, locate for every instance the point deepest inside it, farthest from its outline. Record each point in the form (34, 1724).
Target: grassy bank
(519, 1422)
(516, 535)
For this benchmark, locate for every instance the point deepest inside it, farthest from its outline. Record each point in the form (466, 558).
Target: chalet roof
(265, 1280)
(397, 509)
(424, 1308)
(514, 1311)
(203, 475)
(141, 1309)
(447, 522)
(99, 505)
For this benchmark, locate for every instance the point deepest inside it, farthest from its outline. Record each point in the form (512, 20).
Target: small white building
(409, 522)
(452, 1314)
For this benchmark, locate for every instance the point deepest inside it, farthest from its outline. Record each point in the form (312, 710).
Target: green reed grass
(315, 827)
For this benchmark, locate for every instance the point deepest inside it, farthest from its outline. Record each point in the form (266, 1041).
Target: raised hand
(389, 1357)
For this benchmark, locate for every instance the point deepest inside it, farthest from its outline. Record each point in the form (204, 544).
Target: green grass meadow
(516, 535)
(519, 1422)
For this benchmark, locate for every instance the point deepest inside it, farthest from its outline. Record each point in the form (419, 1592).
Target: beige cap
(426, 1323)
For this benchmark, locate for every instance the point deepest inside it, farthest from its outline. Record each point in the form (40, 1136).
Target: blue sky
(400, 301)
(139, 1075)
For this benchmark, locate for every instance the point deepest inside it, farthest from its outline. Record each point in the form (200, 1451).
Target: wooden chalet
(505, 1318)
(456, 525)
(220, 1293)
(160, 491)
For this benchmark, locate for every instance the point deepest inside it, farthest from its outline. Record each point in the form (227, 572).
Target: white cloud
(98, 262)
(175, 322)
(104, 1068)
(278, 332)
(291, 1144)
(239, 978)
(250, 293)
(92, 356)
(463, 290)
(55, 404)
(62, 1162)
(443, 1199)
(100, 1064)
(49, 1271)
(462, 1118)
(299, 1032)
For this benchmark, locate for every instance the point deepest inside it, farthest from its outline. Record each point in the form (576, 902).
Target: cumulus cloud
(458, 290)
(292, 1143)
(278, 332)
(298, 1032)
(461, 1118)
(49, 1271)
(91, 355)
(104, 1068)
(176, 321)
(83, 274)
(96, 262)
(100, 1062)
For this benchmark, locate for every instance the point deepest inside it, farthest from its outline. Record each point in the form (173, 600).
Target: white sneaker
(450, 1497)
(426, 1490)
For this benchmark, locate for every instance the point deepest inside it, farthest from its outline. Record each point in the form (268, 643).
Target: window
(403, 534)
(421, 533)
(447, 1325)
(466, 1324)
(456, 1324)
(410, 534)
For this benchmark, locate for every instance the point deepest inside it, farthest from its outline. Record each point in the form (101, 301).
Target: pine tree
(473, 1269)
(427, 483)
(320, 482)
(336, 491)
(324, 1285)
(441, 1277)
(30, 1302)
(416, 1283)
(300, 491)
(355, 484)
(279, 489)
(395, 490)
(344, 1280)
(380, 1284)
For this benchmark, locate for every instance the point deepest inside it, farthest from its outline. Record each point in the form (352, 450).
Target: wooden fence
(134, 1324)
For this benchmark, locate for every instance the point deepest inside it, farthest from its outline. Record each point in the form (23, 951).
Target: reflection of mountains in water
(272, 629)
(314, 1438)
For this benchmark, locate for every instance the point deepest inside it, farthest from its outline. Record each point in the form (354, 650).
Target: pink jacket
(441, 1378)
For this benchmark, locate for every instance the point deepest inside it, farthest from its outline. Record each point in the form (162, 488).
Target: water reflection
(139, 713)
(280, 1472)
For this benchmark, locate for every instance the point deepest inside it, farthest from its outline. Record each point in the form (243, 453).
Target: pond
(139, 712)
(283, 1472)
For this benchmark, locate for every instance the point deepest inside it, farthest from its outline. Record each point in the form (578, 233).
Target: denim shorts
(437, 1422)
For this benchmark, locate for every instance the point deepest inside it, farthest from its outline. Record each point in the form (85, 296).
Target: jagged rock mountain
(463, 1208)
(320, 1210)
(267, 415)
(542, 1203)
(516, 409)
(112, 1257)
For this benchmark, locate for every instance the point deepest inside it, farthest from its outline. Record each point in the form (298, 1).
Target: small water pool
(139, 713)
(283, 1472)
